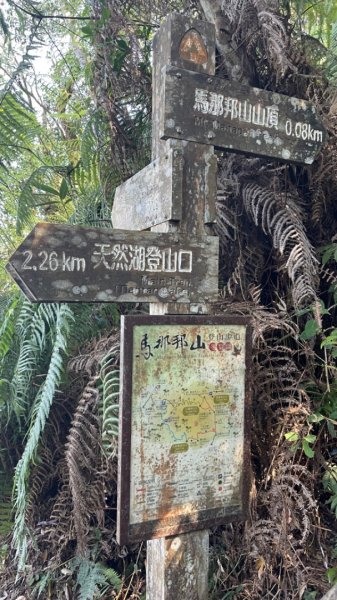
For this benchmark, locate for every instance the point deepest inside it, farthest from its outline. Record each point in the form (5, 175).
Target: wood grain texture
(151, 196)
(178, 567)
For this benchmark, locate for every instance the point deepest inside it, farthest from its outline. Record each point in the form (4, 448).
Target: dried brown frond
(88, 361)
(85, 462)
(257, 24)
(279, 215)
(58, 534)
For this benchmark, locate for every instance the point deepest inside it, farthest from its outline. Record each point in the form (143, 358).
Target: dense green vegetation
(67, 139)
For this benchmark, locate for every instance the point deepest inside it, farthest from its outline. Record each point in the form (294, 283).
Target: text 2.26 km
(53, 261)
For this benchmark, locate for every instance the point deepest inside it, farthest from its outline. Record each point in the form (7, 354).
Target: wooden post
(177, 567)
(331, 594)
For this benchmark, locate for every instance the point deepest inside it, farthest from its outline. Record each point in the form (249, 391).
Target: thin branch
(6, 145)
(40, 16)
(311, 6)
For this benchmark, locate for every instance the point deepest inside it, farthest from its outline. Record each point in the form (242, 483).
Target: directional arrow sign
(239, 118)
(61, 263)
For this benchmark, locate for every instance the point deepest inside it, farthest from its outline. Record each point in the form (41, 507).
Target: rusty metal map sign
(62, 263)
(183, 451)
(211, 110)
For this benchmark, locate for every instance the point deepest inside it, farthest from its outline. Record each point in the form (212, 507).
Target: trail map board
(183, 461)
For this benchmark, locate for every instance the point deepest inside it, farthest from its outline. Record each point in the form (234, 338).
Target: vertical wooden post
(177, 567)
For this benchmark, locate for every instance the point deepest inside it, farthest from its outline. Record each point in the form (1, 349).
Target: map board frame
(134, 460)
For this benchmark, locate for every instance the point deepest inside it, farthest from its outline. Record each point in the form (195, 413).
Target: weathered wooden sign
(151, 196)
(154, 195)
(239, 118)
(60, 263)
(184, 448)
(177, 567)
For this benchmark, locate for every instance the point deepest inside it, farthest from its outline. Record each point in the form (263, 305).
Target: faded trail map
(187, 420)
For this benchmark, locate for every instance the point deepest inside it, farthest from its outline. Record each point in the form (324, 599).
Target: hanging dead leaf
(260, 566)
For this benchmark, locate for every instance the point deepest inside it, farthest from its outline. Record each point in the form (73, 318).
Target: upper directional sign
(210, 110)
(61, 263)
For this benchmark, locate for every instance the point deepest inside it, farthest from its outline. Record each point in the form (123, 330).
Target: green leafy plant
(304, 442)
(62, 317)
(94, 579)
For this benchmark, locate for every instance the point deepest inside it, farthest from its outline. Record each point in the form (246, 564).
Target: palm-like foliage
(58, 320)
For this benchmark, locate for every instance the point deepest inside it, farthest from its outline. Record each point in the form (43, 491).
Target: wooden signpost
(152, 196)
(173, 399)
(177, 567)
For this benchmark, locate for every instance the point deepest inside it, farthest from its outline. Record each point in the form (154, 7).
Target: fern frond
(34, 43)
(258, 24)
(86, 175)
(18, 126)
(93, 578)
(42, 188)
(91, 139)
(64, 317)
(290, 492)
(24, 318)
(7, 328)
(33, 324)
(84, 462)
(274, 34)
(109, 386)
(234, 280)
(280, 218)
(6, 504)
(226, 226)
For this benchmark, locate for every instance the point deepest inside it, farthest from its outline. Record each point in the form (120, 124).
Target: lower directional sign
(61, 263)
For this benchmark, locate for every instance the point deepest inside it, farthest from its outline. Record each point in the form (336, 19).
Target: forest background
(68, 138)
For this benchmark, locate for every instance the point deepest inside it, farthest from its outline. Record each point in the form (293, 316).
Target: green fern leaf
(93, 578)
(7, 328)
(42, 405)
(109, 389)
(40, 189)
